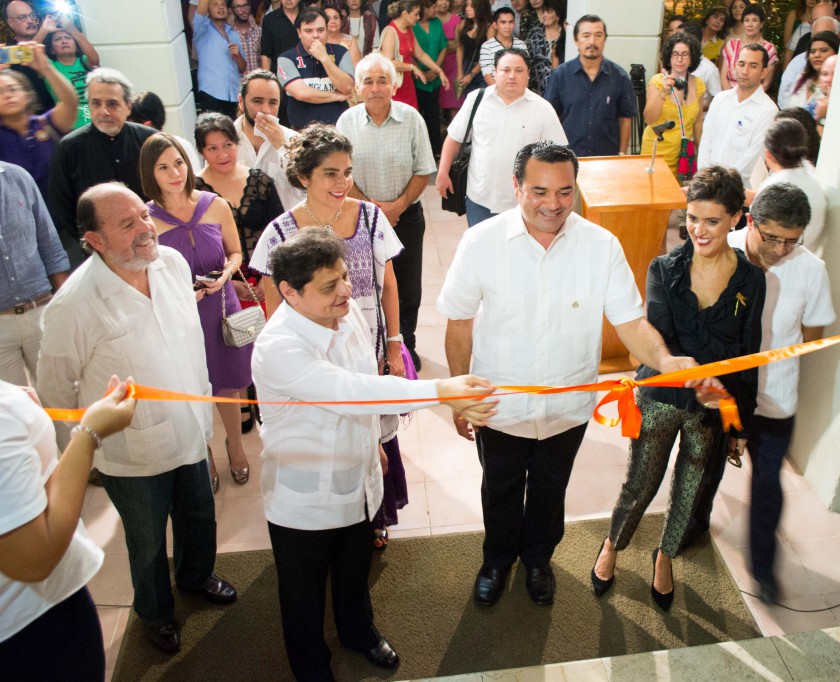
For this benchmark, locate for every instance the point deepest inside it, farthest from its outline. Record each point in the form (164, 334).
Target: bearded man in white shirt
(525, 297)
(321, 475)
(797, 308)
(130, 310)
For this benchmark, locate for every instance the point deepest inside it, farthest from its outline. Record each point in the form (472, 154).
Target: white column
(633, 30)
(144, 39)
(816, 442)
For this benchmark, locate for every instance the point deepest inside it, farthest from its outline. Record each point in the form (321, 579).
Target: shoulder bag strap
(472, 113)
(380, 323)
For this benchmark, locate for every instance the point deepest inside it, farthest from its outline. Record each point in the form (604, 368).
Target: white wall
(633, 30)
(816, 443)
(144, 39)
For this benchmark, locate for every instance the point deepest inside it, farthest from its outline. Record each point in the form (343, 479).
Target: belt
(25, 307)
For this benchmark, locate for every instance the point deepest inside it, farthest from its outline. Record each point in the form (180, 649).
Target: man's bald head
(21, 19)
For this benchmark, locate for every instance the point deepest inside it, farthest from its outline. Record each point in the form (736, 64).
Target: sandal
(239, 476)
(380, 538)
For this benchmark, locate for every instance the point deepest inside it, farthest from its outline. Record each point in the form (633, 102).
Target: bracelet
(394, 339)
(97, 439)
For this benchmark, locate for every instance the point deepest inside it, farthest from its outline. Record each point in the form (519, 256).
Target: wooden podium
(619, 194)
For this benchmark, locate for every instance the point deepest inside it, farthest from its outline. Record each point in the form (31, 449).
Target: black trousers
(65, 643)
(429, 105)
(408, 269)
(523, 494)
(303, 559)
(206, 103)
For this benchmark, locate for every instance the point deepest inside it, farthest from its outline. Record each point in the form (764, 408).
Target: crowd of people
(128, 252)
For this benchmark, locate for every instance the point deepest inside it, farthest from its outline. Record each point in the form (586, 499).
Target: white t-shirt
(28, 456)
(798, 294)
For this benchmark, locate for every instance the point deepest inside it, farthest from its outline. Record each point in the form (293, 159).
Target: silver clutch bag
(244, 326)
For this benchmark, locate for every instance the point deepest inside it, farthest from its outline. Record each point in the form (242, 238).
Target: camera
(637, 73)
(680, 83)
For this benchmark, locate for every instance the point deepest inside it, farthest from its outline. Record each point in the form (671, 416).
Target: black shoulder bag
(456, 201)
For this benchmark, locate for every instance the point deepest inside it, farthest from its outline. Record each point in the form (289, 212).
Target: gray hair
(105, 75)
(828, 21)
(87, 219)
(373, 60)
(783, 203)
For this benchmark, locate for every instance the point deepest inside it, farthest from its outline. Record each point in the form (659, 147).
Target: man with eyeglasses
(24, 24)
(797, 308)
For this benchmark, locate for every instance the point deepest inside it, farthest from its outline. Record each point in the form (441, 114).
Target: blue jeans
(477, 213)
(144, 503)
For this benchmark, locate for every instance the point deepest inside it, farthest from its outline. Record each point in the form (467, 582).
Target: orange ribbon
(619, 391)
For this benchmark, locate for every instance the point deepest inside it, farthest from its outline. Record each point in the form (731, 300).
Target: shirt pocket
(150, 445)
(581, 321)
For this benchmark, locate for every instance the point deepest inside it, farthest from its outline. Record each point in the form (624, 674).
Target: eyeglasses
(24, 17)
(776, 241)
(680, 55)
(11, 90)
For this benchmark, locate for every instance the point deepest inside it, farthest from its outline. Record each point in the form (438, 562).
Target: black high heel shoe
(255, 408)
(248, 424)
(601, 586)
(663, 601)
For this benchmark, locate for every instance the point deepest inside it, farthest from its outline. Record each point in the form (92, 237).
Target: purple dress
(201, 245)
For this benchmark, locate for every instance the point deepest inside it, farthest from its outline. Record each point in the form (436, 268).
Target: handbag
(381, 342)
(687, 156)
(243, 326)
(456, 201)
(397, 56)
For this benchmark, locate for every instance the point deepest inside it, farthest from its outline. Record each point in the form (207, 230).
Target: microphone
(662, 127)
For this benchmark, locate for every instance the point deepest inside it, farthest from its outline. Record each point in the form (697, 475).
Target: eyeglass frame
(771, 239)
(25, 17)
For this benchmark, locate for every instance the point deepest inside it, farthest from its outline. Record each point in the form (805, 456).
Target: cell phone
(209, 277)
(16, 54)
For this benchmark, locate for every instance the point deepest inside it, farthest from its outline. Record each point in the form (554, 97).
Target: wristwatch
(398, 339)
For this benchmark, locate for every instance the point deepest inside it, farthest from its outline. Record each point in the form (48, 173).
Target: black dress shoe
(383, 655)
(165, 637)
(215, 589)
(662, 600)
(601, 586)
(768, 590)
(539, 582)
(489, 585)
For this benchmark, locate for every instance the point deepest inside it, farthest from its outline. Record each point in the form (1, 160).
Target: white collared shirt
(798, 294)
(98, 325)
(272, 162)
(733, 131)
(707, 72)
(538, 313)
(499, 131)
(320, 463)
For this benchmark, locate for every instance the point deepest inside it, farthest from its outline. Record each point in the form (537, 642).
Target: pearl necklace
(326, 226)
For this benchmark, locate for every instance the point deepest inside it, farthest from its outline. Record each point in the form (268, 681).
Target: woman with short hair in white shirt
(49, 628)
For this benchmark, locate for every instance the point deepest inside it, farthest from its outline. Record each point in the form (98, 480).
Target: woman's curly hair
(308, 150)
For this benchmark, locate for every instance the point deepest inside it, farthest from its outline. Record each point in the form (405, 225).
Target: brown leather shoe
(166, 637)
(215, 589)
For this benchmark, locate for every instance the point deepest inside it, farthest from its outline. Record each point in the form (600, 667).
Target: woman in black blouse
(252, 198)
(706, 300)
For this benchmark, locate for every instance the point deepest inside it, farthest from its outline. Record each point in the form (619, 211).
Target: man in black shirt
(279, 35)
(107, 148)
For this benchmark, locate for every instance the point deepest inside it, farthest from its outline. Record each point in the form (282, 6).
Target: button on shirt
(589, 109)
(218, 74)
(538, 313)
(98, 325)
(386, 157)
(798, 293)
(499, 131)
(733, 131)
(320, 463)
(30, 249)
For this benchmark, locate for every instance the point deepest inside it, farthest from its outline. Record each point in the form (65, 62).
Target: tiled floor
(444, 476)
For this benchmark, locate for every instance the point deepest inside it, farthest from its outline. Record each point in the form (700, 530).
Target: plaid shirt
(250, 38)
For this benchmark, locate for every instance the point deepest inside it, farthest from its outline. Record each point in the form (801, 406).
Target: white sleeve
(552, 128)
(457, 130)
(623, 302)
(819, 310)
(460, 297)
